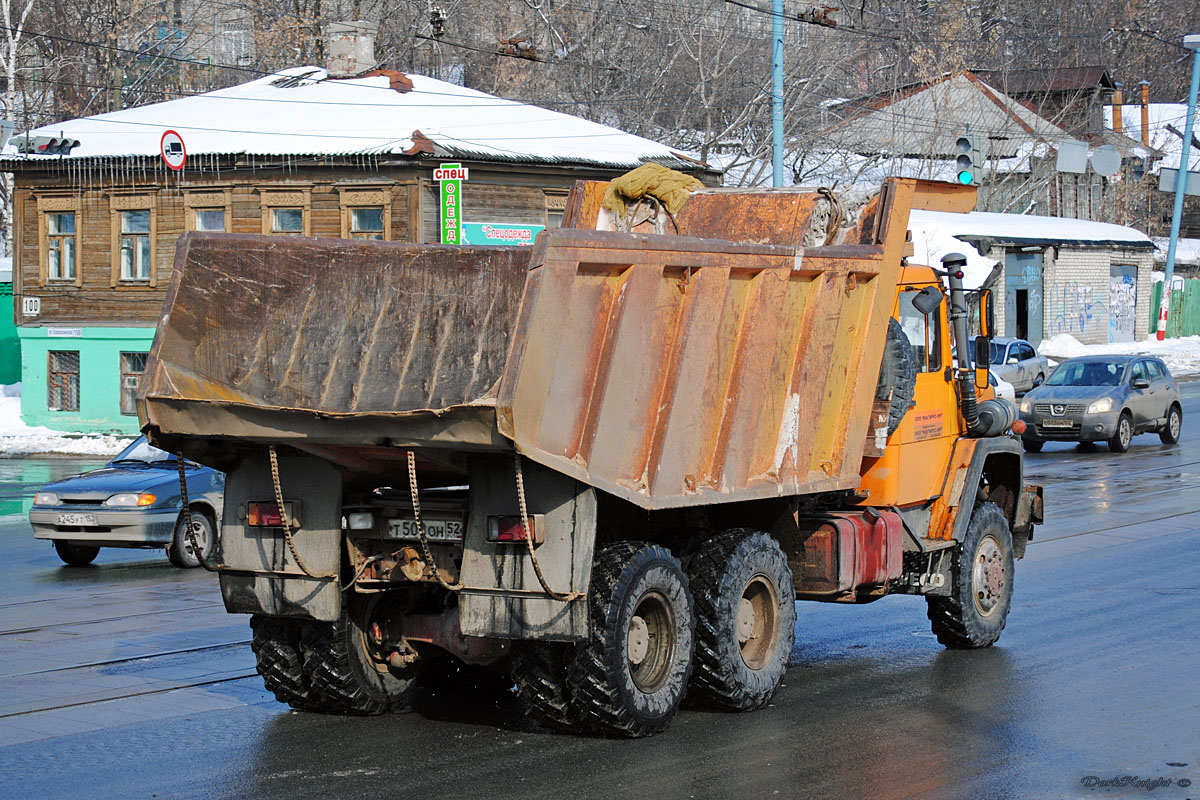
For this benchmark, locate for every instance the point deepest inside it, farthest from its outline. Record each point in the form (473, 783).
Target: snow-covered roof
(1187, 251)
(936, 233)
(303, 112)
(1161, 138)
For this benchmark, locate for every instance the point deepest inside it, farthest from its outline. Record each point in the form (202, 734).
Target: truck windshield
(1088, 373)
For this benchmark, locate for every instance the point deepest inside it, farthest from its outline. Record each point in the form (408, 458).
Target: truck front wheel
(630, 676)
(973, 615)
(745, 619)
(347, 671)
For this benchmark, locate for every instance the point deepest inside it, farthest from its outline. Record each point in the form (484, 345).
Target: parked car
(1103, 398)
(1004, 389)
(133, 501)
(1016, 361)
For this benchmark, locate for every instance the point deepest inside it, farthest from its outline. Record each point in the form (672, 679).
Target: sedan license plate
(76, 519)
(436, 530)
(1057, 423)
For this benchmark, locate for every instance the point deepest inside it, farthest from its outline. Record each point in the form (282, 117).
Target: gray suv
(1103, 398)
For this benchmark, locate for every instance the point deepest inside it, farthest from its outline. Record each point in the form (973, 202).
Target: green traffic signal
(966, 178)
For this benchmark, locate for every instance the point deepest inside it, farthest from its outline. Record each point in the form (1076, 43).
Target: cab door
(1141, 401)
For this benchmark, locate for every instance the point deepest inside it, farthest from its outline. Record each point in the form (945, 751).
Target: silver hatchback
(1103, 398)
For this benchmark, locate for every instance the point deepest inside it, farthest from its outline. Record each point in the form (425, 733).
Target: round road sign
(173, 151)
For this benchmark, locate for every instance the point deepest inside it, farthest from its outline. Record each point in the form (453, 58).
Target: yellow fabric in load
(670, 187)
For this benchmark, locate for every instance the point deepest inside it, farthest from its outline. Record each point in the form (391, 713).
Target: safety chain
(416, 504)
(564, 597)
(287, 523)
(188, 531)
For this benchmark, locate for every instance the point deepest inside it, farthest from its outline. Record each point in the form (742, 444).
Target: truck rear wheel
(974, 614)
(630, 676)
(347, 672)
(539, 670)
(277, 653)
(745, 619)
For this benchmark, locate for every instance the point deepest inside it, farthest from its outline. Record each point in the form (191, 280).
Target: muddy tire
(179, 551)
(539, 670)
(346, 675)
(1120, 440)
(745, 620)
(897, 375)
(1171, 428)
(75, 555)
(630, 676)
(975, 613)
(280, 661)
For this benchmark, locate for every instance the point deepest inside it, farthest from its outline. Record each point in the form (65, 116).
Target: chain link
(416, 504)
(287, 523)
(563, 597)
(188, 531)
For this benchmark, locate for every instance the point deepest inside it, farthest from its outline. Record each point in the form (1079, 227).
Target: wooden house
(298, 153)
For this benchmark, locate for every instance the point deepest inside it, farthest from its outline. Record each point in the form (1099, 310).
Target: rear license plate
(436, 530)
(1057, 423)
(76, 519)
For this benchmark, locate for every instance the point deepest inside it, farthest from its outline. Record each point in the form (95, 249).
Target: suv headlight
(130, 500)
(1026, 407)
(45, 499)
(1100, 406)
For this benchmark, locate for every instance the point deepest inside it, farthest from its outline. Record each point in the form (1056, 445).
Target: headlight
(130, 499)
(361, 521)
(1100, 406)
(45, 499)
(1025, 406)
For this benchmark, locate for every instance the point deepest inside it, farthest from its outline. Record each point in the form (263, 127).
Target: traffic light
(968, 160)
(46, 145)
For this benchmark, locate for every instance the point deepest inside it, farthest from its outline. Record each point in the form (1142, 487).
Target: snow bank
(18, 439)
(1182, 356)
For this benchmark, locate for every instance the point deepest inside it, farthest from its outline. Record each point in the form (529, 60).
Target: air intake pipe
(952, 265)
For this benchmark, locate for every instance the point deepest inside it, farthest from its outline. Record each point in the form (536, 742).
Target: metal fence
(1183, 319)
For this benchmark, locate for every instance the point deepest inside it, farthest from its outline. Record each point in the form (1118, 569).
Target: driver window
(1139, 370)
(923, 333)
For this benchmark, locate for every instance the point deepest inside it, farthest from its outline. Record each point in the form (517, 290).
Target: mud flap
(258, 574)
(503, 597)
(1029, 513)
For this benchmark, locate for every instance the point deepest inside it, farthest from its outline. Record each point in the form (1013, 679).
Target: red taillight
(511, 529)
(266, 515)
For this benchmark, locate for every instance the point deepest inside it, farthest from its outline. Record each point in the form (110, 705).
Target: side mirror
(1013, 361)
(1141, 383)
(983, 355)
(987, 314)
(928, 300)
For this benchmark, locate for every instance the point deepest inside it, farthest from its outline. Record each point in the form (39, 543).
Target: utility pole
(777, 93)
(1191, 42)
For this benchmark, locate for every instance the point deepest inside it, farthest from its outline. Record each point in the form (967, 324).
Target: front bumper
(1084, 427)
(127, 527)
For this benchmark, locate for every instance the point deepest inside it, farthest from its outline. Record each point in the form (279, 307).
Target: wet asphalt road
(127, 679)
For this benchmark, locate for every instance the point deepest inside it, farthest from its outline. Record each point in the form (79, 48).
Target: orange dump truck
(609, 463)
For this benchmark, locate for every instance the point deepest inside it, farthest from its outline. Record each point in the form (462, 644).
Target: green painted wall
(10, 345)
(99, 376)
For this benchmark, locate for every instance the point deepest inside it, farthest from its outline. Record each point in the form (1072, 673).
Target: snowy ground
(1182, 356)
(18, 439)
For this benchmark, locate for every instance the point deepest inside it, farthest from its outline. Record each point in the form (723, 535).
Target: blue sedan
(133, 501)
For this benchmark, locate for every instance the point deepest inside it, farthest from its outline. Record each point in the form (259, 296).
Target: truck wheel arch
(995, 475)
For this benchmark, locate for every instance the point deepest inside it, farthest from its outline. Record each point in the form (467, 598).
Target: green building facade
(82, 378)
(10, 345)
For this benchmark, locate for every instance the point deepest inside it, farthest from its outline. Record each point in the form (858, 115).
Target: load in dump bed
(611, 461)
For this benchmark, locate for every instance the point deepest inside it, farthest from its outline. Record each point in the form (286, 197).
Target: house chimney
(1117, 101)
(351, 48)
(1145, 86)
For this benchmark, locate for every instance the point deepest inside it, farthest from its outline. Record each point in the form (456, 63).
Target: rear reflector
(511, 529)
(266, 515)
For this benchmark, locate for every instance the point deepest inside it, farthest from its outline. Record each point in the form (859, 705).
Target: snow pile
(17, 438)
(1187, 251)
(1182, 356)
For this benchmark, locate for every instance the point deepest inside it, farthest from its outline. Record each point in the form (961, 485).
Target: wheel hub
(200, 536)
(988, 578)
(758, 622)
(639, 640)
(650, 642)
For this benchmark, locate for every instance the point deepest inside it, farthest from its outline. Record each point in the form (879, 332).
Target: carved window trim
(132, 202)
(351, 197)
(55, 205)
(299, 197)
(205, 200)
(556, 206)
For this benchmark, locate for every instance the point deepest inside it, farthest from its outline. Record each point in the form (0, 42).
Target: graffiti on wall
(1122, 308)
(1072, 304)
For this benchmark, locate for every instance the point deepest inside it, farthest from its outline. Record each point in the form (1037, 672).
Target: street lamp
(1191, 42)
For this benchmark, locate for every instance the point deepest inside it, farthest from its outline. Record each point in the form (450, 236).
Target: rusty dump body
(723, 361)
